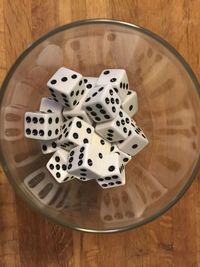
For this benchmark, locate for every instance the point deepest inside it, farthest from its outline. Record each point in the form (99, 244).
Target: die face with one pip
(117, 78)
(135, 142)
(41, 125)
(115, 130)
(66, 87)
(102, 103)
(85, 162)
(75, 132)
(130, 103)
(57, 166)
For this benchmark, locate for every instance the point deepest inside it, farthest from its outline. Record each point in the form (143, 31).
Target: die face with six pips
(41, 125)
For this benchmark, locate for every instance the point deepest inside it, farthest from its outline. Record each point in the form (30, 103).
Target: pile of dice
(87, 124)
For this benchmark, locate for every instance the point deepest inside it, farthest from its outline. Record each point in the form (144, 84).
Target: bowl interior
(168, 114)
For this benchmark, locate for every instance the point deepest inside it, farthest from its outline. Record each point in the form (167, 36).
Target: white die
(102, 103)
(57, 166)
(42, 126)
(75, 132)
(66, 87)
(130, 103)
(113, 173)
(135, 142)
(85, 162)
(117, 78)
(78, 111)
(124, 157)
(115, 130)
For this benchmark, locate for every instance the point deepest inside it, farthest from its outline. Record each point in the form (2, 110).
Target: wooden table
(29, 240)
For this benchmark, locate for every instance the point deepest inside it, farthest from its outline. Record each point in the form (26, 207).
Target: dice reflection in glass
(102, 103)
(115, 130)
(85, 162)
(135, 142)
(66, 87)
(75, 132)
(130, 103)
(41, 125)
(43, 186)
(13, 121)
(57, 166)
(117, 78)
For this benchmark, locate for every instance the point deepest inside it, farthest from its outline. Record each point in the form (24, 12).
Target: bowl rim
(71, 25)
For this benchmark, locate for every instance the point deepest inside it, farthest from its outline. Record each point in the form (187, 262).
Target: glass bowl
(168, 95)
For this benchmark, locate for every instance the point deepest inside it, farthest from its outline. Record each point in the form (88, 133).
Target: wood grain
(26, 238)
